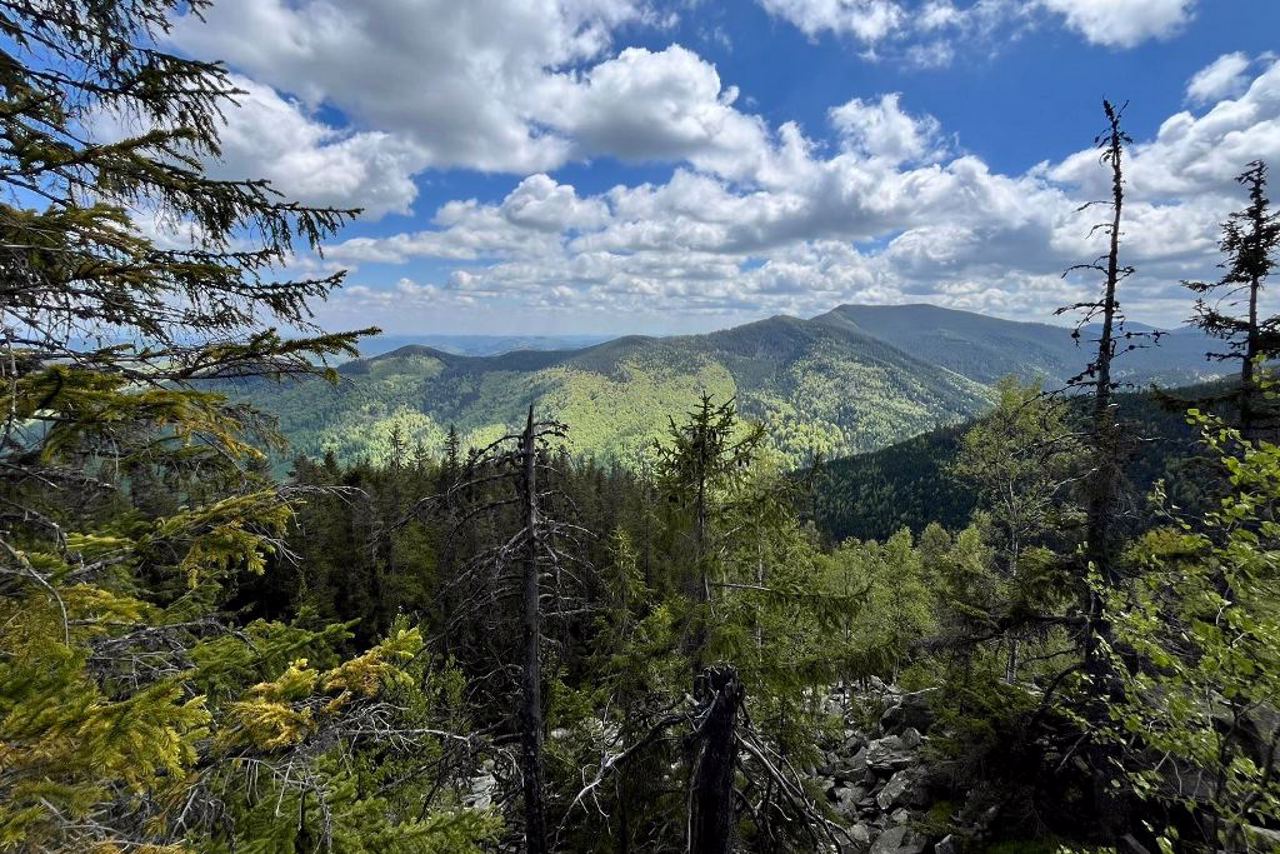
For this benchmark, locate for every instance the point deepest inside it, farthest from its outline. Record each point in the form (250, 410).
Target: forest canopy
(1069, 644)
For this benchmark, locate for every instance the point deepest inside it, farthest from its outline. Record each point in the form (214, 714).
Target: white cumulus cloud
(890, 215)
(1225, 77)
(884, 129)
(928, 33)
(753, 216)
(1123, 23)
(493, 85)
(1193, 154)
(467, 81)
(668, 105)
(867, 20)
(270, 137)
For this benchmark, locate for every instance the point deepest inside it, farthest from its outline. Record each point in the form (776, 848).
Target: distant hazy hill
(855, 379)
(477, 345)
(987, 348)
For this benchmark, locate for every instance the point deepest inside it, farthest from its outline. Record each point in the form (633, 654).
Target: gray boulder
(856, 767)
(899, 840)
(846, 800)
(911, 710)
(894, 791)
(481, 795)
(888, 754)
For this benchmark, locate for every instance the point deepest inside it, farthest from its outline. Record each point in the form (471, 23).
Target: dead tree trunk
(1102, 683)
(518, 564)
(1103, 483)
(711, 790)
(535, 814)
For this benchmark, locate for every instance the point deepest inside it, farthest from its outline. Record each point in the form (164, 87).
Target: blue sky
(542, 166)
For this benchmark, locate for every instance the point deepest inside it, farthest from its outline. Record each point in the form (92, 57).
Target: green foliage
(1204, 616)
(137, 712)
(888, 581)
(1022, 461)
(913, 483)
(872, 496)
(817, 389)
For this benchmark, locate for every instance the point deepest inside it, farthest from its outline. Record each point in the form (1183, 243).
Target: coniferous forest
(1049, 623)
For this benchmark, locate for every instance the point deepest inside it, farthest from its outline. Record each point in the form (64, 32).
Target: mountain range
(852, 380)
(476, 345)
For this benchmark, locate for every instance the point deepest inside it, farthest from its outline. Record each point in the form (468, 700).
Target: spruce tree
(703, 456)
(511, 484)
(1022, 461)
(134, 498)
(1250, 240)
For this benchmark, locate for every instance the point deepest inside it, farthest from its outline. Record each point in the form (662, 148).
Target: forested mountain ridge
(817, 388)
(853, 380)
(985, 348)
(911, 484)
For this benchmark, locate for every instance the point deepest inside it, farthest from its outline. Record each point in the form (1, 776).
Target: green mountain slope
(818, 388)
(871, 496)
(853, 380)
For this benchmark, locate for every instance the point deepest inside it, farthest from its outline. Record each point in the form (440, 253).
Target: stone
(911, 710)
(900, 816)
(946, 845)
(856, 767)
(888, 754)
(481, 796)
(1132, 845)
(846, 801)
(1253, 731)
(894, 790)
(899, 840)
(911, 738)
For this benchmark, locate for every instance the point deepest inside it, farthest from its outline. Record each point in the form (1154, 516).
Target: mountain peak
(411, 350)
